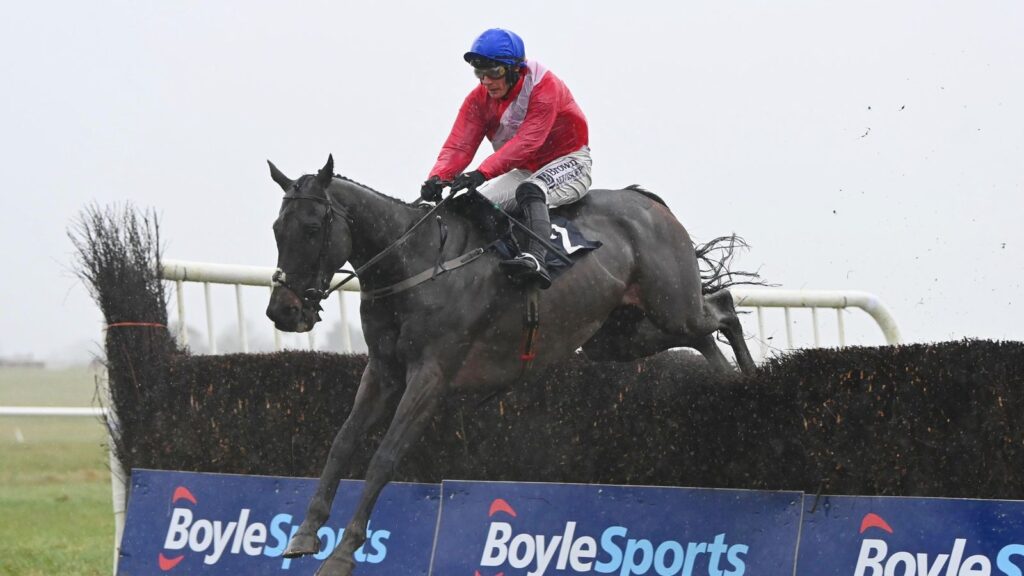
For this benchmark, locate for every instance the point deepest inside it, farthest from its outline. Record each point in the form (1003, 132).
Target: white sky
(874, 146)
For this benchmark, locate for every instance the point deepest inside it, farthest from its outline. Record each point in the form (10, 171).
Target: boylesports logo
(215, 540)
(614, 550)
(167, 563)
(876, 559)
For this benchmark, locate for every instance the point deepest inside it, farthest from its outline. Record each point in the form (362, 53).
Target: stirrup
(525, 268)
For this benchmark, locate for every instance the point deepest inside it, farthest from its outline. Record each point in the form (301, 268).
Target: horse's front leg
(418, 406)
(376, 387)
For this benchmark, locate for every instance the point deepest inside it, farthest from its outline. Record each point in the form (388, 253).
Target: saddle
(567, 242)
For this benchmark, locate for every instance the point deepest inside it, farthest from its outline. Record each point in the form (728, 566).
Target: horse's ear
(283, 181)
(324, 176)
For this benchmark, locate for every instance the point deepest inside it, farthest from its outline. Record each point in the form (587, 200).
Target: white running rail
(181, 271)
(52, 411)
(761, 298)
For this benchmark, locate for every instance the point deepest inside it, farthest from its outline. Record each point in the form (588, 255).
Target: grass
(55, 500)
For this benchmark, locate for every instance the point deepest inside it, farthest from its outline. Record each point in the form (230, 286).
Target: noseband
(312, 296)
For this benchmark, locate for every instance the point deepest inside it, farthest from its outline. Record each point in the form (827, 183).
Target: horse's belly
(571, 312)
(487, 370)
(494, 363)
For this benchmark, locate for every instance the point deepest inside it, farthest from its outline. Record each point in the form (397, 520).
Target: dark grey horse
(637, 295)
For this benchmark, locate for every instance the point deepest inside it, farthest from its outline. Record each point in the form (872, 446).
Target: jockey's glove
(468, 180)
(431, 189)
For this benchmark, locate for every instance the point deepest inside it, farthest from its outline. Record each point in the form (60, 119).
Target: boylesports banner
(186, 523)
(513, 529)
(888, 536)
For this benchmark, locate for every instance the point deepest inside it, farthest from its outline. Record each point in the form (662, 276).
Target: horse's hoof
(336, 566)
(302, 545)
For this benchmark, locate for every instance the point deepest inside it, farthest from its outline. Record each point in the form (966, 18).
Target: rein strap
(429, 273)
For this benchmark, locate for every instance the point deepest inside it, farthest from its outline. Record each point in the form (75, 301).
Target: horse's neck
(374, 220)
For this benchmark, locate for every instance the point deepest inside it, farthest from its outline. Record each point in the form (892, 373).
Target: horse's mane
(369, 188)
(468, 209)
(476, 212)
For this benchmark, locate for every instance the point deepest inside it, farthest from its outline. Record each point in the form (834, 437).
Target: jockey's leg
(529, 266)
(562, 181)
(501, 190)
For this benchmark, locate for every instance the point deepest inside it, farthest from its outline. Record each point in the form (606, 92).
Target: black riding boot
(528, 267)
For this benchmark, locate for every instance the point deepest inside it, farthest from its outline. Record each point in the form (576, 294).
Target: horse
(457, 329)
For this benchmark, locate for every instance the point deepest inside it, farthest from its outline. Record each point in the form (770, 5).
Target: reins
(405, 236)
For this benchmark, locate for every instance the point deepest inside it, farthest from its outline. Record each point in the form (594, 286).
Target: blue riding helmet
(498, 45)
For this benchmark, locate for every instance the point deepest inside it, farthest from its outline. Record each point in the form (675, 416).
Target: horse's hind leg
(674, 306)
(729, 323)
(376, 388)
(628, 334)
(671, 291)
(416, 409)
(708, 348)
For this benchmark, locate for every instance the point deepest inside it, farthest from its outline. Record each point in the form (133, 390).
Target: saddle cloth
(564, 235)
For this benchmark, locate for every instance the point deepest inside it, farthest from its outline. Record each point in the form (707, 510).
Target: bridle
(322, 289)
(312, 296)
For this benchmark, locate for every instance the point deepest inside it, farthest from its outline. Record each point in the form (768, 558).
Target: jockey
(539, 135)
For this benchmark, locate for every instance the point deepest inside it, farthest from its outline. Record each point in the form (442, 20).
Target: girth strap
(531, 327)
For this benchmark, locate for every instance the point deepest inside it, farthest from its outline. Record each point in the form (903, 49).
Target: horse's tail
(715, 258)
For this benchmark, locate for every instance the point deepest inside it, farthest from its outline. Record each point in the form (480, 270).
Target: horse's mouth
(308, 318)
(297, 328)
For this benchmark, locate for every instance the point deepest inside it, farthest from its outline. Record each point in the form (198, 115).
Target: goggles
(493, 73)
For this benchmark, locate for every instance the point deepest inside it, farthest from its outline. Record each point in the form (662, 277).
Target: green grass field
(55, 500)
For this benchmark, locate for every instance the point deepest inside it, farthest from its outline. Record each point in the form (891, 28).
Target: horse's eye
(312, 231)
